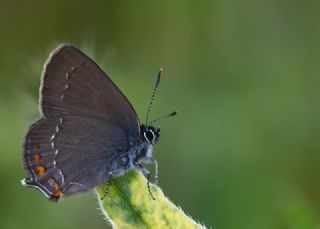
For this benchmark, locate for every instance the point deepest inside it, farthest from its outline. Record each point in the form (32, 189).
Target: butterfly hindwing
(61, 156)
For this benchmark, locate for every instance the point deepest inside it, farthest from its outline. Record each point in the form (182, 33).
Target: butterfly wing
(87, 122)
(73, 84)
(70, 154)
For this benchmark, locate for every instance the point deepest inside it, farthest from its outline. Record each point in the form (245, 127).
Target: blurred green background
(244, 153)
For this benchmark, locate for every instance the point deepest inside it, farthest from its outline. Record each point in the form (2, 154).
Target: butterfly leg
(155, 162)
(151, 160)
(107, 187)
(147, 174)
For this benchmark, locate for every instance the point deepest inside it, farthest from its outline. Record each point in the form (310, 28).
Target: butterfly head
(150, 134)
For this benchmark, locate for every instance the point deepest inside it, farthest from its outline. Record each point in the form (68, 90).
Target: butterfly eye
(149, 136)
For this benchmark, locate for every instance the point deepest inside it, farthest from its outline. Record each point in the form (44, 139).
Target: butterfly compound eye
(149, 136)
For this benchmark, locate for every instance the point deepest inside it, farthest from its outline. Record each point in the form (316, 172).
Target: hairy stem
(129, 205)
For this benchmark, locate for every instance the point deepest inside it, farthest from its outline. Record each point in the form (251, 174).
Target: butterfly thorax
(140, 153)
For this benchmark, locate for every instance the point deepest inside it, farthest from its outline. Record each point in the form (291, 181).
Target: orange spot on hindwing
(55, 184)
(36, 155)
(40, 170)
(58, 193)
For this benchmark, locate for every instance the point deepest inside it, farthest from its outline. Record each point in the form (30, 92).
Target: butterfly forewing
(73, 84)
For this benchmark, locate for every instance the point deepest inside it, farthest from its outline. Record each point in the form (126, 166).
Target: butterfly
(88, 131)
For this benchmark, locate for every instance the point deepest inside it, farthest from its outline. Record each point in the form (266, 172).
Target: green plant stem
(129, 205)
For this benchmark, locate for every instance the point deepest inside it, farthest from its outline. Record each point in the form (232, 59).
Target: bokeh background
(244, 153)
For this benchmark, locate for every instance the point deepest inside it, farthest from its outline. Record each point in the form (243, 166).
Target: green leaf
(129, 205)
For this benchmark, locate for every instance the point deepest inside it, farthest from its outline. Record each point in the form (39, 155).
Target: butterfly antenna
(153, 94)
(164, 117)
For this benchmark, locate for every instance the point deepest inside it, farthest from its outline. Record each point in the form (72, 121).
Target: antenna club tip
(160, 71)
(175, 113)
